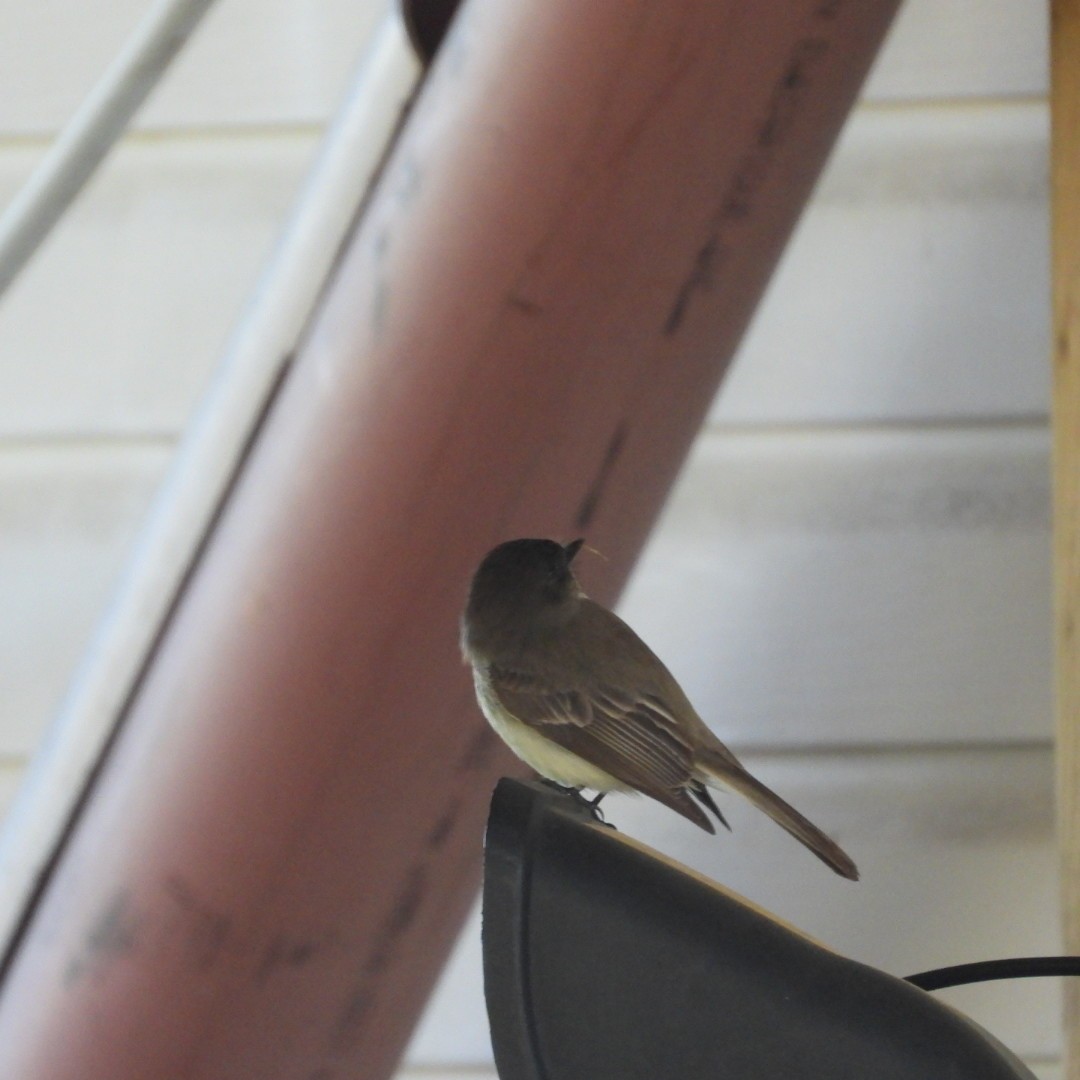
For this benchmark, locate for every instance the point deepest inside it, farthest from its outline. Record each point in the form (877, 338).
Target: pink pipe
(523, 337)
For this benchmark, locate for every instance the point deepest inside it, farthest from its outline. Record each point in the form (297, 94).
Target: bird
(579, 697)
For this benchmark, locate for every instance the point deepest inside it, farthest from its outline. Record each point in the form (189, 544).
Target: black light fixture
(604, 960)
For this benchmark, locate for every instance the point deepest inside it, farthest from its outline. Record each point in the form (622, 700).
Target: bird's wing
(632, 737)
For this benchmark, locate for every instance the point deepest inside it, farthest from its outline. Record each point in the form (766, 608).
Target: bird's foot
(592, 805)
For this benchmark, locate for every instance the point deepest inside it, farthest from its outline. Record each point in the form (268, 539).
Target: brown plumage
(584, 701)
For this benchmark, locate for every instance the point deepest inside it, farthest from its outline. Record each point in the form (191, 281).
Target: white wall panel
(857, 586)
(251, 61)
(116, 326)
(917, 284)
(807, 589)
(931, 226)
(963, 48)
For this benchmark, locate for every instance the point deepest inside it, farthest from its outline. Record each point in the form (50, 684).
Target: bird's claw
(592, 805)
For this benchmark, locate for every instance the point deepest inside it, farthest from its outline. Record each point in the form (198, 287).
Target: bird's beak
(571, 549)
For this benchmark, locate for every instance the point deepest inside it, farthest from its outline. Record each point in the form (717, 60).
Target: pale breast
(547, 758)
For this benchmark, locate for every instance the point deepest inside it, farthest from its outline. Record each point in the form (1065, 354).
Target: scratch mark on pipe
(740, 198)
(591, 503)
(207, 928)
(112, 935)
(404, 909)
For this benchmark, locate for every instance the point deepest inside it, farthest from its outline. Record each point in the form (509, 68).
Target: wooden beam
(1065, 171)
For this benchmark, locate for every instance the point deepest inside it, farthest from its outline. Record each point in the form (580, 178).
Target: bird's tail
(732, 775)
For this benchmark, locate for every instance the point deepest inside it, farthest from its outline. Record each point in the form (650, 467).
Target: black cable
(1020, 967)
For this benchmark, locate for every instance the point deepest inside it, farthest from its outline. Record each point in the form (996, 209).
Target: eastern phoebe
(577, 695)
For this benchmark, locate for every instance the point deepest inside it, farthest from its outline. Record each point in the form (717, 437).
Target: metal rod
(97, 124)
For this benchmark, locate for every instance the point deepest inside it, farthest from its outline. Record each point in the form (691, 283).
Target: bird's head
(522, 588)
